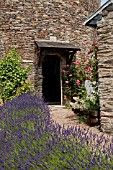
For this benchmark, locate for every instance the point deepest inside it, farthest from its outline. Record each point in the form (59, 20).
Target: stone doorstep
(56, 107)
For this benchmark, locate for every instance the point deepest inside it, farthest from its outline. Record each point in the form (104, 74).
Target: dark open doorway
(51, 87)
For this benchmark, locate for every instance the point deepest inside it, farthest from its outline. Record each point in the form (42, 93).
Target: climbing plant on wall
(75, 75)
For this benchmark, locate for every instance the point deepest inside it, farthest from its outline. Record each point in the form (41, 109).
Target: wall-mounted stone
(23, 22)
(105, 68)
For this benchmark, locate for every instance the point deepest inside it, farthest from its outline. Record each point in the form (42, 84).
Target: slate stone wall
(105, 57)
(22, 22)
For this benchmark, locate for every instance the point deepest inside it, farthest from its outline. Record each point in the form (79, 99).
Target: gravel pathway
(67, 118)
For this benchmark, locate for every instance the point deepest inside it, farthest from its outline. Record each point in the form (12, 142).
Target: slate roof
(57, 44)
(97, 15)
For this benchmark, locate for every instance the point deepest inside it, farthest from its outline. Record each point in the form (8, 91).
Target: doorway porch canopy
(67, 47)
(57, 44)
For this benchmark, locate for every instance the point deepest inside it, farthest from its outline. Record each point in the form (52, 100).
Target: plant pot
(84, 112)
(93, 113)
(93, 118)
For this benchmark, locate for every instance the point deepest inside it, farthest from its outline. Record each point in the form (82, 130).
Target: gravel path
(66, 117)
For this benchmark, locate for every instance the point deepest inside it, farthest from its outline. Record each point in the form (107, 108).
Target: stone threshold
(56, 107)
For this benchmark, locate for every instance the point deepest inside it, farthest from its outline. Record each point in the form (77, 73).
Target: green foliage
(82, 118)
(25, 87)
(1, 101)
(12, 76)
(92, 102)
(75, 74)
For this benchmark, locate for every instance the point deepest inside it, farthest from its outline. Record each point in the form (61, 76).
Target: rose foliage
(77, 72)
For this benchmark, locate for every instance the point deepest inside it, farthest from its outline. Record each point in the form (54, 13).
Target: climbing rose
(76, 62)
(87, 61)
(63, 71)
(89, 69)
(77, 52)
(86, 43)
(94, 43)
(90, 51)
(70, 75)
(66, 82)
(78, 82)
(67, 65)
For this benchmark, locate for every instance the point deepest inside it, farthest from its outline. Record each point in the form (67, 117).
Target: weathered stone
(110, 16)
(107, 124)
(22, 23)
(104, 113)
(105, 69)
(104, 27)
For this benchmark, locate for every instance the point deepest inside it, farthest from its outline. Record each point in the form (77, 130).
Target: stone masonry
(105, 56)
(102, 21)
(22, 22)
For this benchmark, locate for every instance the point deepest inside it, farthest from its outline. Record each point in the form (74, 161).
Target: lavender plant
(30, 140)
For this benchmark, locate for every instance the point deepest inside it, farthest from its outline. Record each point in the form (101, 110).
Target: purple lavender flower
(30, 139)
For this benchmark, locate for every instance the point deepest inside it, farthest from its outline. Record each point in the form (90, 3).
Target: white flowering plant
(92, 101)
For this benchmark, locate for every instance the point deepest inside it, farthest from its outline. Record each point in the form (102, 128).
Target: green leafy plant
(73, 78)
(12, 76)
(1, 101)
(82, 118)
(92, 102)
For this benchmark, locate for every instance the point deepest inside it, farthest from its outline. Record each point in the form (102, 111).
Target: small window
(102, 2)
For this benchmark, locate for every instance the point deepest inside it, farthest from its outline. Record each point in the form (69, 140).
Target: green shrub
(1, 102)
(13, 76)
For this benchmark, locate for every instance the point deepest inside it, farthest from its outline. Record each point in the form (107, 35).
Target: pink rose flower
(70, 75)
(76, 62)
(89, 69)
(66, 82)
(63, 71)
(86, 43)
(67, 65)
(78, 82)
(87, 61)
(77, 52)
(94, 43)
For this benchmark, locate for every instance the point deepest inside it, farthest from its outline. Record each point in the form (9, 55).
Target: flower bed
(30, 140)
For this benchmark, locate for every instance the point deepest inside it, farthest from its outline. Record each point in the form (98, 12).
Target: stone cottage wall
(24, 21)
(105, 57)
